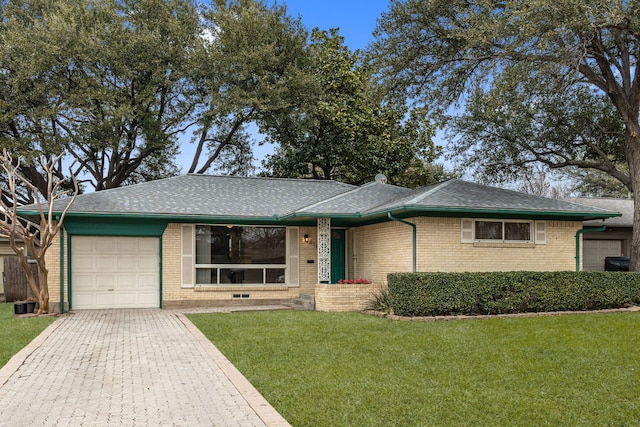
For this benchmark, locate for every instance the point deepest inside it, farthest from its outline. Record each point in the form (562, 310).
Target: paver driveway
(130, 368)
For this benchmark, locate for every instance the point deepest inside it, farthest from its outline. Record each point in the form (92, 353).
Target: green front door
(338, 250)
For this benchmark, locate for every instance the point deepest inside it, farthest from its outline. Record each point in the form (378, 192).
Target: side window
(506, 231)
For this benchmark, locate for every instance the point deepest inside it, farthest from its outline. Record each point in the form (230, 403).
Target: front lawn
(348, 369)
(15, 333)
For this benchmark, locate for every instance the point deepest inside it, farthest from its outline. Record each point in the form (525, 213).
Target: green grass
(15, 333)
(337, 369)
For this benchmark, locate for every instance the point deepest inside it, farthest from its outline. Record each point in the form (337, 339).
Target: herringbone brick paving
(124, 367)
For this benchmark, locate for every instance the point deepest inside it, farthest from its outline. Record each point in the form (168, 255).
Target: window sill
(243, 288)
(530, 245)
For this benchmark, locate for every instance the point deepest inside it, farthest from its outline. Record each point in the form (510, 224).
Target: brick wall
(52, 259)
(384, 248)
(308, 252)
(337, 297)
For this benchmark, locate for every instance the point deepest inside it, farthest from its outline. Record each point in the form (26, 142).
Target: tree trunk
(31, 280)
(43, 295)
(633, 158)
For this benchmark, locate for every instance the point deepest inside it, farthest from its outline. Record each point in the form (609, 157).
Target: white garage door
(115, 272)
(595, 251)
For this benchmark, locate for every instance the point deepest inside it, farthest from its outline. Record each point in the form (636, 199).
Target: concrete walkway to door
(128, 368)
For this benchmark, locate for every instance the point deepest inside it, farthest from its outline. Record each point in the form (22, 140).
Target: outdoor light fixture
(306, 238)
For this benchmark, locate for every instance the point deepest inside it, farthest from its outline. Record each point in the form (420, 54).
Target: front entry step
(304, 302)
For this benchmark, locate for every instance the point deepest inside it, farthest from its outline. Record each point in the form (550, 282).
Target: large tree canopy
(252, 66)
(520, 62)
(341, 130)
(104, 80)
(118, 83)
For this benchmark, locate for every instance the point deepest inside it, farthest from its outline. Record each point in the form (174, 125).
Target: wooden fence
(16, 287)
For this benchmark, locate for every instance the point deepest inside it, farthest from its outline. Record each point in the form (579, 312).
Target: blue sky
(355, 18)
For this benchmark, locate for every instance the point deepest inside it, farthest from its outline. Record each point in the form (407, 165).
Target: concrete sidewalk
(129, 368)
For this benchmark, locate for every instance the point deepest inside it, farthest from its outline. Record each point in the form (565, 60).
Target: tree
(588, 183)
(501, 139)
(439, 50)
(117, 83)
(540, 183)
(107, 81)
(251, 66)
(342, 130)
(29, 239)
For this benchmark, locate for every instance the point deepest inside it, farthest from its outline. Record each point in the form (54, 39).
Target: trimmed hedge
(437, 294)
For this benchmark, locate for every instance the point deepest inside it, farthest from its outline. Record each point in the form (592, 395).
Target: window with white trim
(240, 255)
(505, 231)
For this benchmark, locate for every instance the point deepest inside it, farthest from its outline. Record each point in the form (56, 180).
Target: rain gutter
(61, 270)
(578, 234)
(391, 217)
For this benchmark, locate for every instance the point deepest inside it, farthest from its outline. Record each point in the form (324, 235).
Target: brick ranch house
(198, 240)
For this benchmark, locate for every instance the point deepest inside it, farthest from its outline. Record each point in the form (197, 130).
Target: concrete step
(303, 302)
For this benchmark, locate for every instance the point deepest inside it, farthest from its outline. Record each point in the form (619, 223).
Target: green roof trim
(410, 211)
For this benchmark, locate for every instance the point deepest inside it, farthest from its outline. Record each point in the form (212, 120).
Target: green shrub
(381, 301)
(429, 294)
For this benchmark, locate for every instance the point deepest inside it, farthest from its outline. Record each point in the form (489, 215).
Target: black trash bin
(20, 307)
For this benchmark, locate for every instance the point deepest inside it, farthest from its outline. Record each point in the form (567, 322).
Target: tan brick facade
(373, 251)
(385, 248)
(52, 259)
(345, 297)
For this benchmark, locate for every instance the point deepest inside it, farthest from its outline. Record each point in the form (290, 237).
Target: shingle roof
(624, 206)
(274, 200)
(358, 200)
(206, 195)
(459, 194)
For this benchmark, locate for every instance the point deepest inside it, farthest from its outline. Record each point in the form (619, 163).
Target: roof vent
(381, 178)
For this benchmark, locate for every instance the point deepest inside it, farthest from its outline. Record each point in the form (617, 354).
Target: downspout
(391, 217)
(578, 234)
(61, 270)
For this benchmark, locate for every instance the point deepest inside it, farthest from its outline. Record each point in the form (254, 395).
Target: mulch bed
(493, 316)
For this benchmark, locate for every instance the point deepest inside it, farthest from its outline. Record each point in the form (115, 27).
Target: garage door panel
(84, 299)
(105, 281)
(91, 300)
(83, 245)
(148, 246)
(148, 299)
(83, 263)
(89, 280)
(147, 282)
(105, 244)
(127, 245)
(147, 263)
(125, 300)
(103, 262)
(128, 283)
(126, 263)
(115, 272)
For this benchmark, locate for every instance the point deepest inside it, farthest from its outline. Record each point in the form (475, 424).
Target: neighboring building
(615, 240)
(5, 251)
(199, 240)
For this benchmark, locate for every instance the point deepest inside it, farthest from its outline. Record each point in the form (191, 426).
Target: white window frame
(286, 266)
(537, 231)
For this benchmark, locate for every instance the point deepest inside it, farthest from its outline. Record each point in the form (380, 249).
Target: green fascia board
(413, 211)
(160, 218)
(309, 219)
(499, 213)
(104, 228)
